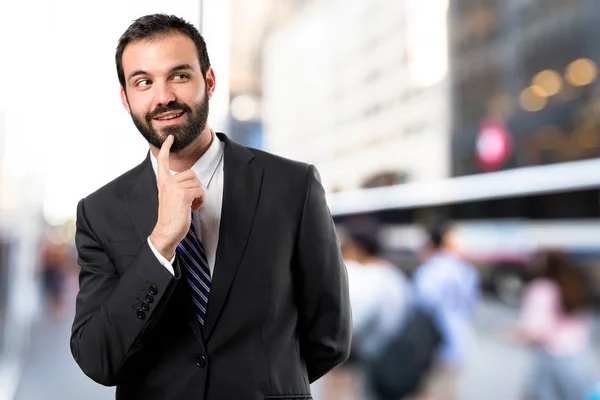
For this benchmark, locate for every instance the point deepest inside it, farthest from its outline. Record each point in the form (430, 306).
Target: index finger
(163, 158)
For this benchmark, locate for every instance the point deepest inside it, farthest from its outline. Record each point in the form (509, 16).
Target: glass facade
(531, 68)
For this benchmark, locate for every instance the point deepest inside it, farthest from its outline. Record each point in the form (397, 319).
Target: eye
(142, 83)
(180, 77)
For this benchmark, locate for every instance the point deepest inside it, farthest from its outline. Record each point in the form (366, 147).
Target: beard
(184, 133)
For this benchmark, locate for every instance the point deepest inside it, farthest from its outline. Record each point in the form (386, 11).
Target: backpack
(398, 369)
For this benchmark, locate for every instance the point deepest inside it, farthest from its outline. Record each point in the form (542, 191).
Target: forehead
(159, 54)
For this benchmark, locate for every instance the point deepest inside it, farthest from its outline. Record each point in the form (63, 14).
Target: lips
(169, 115)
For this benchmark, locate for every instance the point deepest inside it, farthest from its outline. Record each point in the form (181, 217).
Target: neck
(186, 158)
(367, 259)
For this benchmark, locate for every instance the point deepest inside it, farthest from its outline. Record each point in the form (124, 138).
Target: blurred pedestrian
(380, 296)
(55, 262)
(449, 287)
(556, 321)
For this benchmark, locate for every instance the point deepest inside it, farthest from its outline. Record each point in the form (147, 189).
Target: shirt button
(153, 290)
(141, 314)
(145, 306)
(201, 362)
(149, 298)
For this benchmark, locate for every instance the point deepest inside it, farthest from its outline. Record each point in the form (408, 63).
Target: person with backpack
(380, 297)
(448, 287)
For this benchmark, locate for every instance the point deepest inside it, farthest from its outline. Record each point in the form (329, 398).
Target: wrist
(162, 245)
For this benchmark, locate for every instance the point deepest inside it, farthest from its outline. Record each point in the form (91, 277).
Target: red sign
(494, 145)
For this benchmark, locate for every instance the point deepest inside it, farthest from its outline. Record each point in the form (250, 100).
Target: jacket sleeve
(113, 311)
(325, 315)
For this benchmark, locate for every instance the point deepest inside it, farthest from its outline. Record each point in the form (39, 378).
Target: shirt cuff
(165, 263)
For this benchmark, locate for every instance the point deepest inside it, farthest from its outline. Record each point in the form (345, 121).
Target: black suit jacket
(278, 314)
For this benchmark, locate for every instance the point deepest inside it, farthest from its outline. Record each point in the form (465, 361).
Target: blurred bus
(503, 218)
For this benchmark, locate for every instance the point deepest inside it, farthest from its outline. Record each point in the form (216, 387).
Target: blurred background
(481, 112)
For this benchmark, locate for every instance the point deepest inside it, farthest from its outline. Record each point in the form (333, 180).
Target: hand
(517, 335)
(178, 195)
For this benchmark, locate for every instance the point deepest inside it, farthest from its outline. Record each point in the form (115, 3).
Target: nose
(163, 94)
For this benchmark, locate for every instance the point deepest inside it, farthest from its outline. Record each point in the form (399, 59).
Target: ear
(124, 100)
(210, 82)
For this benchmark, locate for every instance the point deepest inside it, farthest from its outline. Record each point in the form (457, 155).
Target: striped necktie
(195, 271)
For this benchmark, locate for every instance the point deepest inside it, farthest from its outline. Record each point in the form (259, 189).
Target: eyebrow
(180, 67)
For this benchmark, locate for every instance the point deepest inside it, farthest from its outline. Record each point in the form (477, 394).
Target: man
(209, 271)
(449, 287)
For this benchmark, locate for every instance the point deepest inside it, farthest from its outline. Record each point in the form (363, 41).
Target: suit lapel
(143, 206)
(241, 189)
(143, 200)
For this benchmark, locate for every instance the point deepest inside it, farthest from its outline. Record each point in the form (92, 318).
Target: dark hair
(558, 267)
(436, 233)
(364, 232)
(154, 25)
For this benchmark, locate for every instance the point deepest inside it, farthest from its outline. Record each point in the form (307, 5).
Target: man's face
(165, 91)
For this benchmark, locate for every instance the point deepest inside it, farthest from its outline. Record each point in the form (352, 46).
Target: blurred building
(3, 241)
(525, 142)
(251, 23)
(524, 87)
(214, 20)
(359, 89)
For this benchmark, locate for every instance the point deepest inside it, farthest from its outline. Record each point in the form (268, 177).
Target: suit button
(145, 306)
(141, 314)
(153, 290)
(149, 298)
(201, 362)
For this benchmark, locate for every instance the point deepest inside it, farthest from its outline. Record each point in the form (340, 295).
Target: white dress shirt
(209, 169)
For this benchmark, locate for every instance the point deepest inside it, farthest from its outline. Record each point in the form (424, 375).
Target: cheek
(140, 105)
(190, 95)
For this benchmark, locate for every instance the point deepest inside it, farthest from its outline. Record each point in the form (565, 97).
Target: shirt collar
(206, 165)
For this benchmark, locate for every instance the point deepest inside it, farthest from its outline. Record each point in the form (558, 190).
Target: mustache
(173, 106)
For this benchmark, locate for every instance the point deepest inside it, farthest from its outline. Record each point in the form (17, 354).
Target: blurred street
(495, 360)
(49, 367)
(457, 141)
